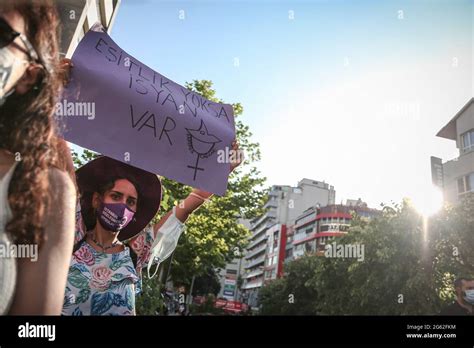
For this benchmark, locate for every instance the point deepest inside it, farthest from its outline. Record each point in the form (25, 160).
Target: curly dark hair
(27, 125)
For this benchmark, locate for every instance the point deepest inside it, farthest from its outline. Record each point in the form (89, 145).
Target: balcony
(268, 215)
(262, 238)
(253, 263)
(255, 252)
(254, 274)
(459, 166)
(271, 203)
(262, 229)
(255, 284)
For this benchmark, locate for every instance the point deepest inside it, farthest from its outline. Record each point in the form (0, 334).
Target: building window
(461, 187)
(467, 141)
(344, 228)
(466, 183)
(311, 215)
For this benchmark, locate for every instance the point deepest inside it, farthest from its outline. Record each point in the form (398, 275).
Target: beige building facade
(456, 177)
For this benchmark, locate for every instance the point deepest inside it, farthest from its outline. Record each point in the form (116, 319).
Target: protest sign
(121, 108)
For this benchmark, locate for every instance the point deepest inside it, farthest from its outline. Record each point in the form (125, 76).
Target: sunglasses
(8, 36)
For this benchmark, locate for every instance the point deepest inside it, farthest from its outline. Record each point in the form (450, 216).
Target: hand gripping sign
(121, 108)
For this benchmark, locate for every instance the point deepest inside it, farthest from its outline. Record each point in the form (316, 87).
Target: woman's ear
(29, 78)
(95, 200)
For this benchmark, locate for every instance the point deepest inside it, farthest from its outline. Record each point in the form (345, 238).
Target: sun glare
(429, 202)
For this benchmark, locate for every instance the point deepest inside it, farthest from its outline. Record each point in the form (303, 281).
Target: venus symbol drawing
(202, 144)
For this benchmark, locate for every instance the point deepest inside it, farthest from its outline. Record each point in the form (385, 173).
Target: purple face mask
(114, 216)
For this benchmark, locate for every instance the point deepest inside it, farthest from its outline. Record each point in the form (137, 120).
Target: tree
(392, 278)
(207, 283)
(408, 266)
(293, 294)
(453, 238)
(85, 157)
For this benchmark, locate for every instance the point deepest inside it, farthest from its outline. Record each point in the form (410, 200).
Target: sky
(349, 92)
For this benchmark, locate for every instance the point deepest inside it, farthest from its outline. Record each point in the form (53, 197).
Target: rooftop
(449, 130)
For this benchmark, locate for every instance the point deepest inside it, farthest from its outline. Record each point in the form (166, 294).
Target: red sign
(231, 306)
(220, 303)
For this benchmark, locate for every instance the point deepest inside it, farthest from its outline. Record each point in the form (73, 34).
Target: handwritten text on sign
(143, 118)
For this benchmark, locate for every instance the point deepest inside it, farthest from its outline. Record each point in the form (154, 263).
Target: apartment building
(318, 226)
(267, 245)
(456, 177)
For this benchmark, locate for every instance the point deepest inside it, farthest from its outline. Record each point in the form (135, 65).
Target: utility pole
(190, 297)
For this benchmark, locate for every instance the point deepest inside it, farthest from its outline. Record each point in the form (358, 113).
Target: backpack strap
(133, 255)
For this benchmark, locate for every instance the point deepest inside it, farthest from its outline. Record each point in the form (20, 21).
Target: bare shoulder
(60, 215)
(60, 183)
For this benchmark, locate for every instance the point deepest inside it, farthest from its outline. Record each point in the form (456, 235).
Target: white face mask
(165, 242)
(469, 296)
(7, 65)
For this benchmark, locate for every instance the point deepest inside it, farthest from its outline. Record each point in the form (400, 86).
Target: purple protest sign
(121, 108)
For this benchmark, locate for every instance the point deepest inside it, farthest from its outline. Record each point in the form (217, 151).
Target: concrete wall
(462, 165)
(453, 170)
(292, 201)
(77, 17)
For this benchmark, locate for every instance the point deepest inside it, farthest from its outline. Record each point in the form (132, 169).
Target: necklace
(104, 248)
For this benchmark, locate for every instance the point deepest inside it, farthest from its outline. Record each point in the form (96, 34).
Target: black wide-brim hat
(98, 172)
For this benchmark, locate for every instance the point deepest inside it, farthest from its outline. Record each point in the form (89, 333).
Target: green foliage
(293, 294)
(85, 157)
(206, 284)
(408, 267)
(149, 301)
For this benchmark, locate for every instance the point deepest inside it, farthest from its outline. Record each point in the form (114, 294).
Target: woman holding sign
(114, 240)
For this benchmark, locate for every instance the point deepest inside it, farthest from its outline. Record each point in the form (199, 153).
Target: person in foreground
(37, 197)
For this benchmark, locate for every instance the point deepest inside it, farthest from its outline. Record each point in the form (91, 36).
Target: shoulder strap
(79, 244)
(133, 255)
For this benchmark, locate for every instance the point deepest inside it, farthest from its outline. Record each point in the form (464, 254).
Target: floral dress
(106, 284)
